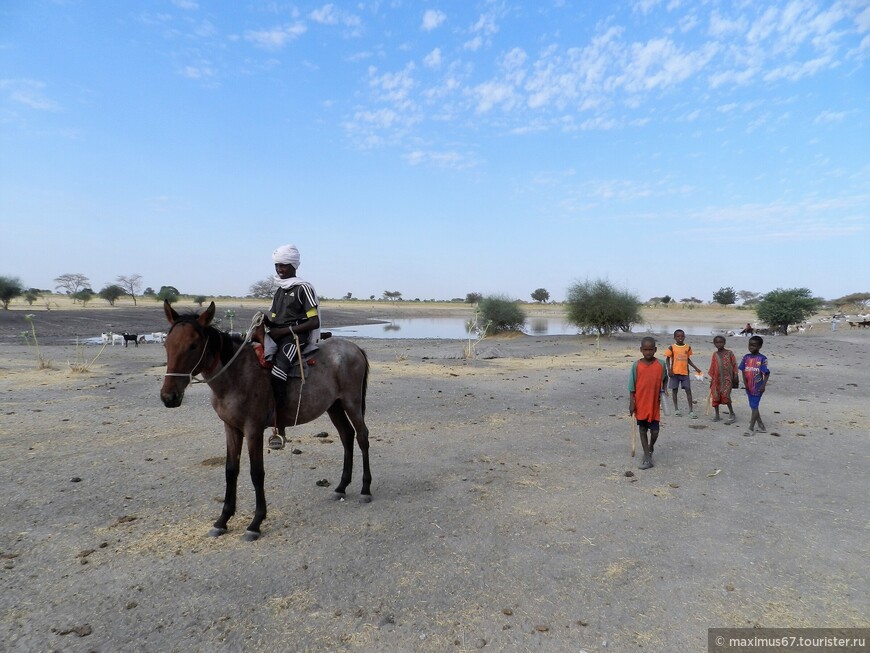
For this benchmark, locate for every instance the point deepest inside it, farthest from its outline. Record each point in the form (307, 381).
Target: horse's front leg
(234, 454)
(258, 478)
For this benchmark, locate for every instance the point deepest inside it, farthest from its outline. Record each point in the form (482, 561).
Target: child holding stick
(646, 383)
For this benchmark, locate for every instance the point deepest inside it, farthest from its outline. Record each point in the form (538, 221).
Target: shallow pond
(454, 328)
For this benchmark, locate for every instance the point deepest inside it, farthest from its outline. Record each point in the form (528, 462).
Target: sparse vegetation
(541, 295)
(111, 293)
(168, 293)
(82, 364)
(130, 283)
(502, 314)
(725, 296)
(599, 306)
(263, 289)
(41, 362)
(72, 283)
(10, 288)
(779, 308)
(476, 332)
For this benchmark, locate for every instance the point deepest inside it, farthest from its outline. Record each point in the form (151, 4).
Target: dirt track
(502, 519)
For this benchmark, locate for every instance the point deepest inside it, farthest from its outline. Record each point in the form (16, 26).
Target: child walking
(723, 377)
(679, 359)
(755, 375)
(646, 385)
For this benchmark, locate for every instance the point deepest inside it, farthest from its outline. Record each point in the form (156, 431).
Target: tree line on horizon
(592, 305)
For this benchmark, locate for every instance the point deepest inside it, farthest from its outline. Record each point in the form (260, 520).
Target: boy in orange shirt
(679, 359)
(646, 383)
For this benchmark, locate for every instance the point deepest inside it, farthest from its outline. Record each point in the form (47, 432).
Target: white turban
(287, 254)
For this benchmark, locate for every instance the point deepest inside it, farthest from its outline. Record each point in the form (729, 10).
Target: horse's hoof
(365, 498)
(217, 532)
(251, 536)
(338, 496)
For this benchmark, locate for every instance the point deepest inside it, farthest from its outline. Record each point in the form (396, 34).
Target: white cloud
(329, 14)
(433, 59)
(277, 37)
(326, 15)
(797, 70)
(645, 6)
(394, 88)
(490, 94)
(433, 19)
(721, 26)
(473, 44)
(188, 5)
(29, 93)
(828, 117)
(660, 63)
(449, 159)
(201, 71)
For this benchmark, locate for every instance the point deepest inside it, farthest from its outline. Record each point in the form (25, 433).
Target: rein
(255, 322)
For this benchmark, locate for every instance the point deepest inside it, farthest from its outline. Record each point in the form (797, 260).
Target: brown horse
(242, 398)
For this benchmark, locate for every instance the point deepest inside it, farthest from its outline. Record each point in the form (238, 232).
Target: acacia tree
(73, 283)
(473, 297)
(263, 289)
(600, 306)
(541, 295)
(725, 296)
(131, 283)
(169, 294)
(779, 308)
(856, 298)
(111, 293)
(10, 288)
(392, 295)
(84, 296)
(502, 313)
(31, 295)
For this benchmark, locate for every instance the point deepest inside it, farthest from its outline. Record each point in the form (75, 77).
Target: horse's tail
(365, 382)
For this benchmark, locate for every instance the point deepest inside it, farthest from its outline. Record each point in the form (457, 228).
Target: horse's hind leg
(362, 438)
(345, 432)
(258, 477)
(234, 454)
(348, 424)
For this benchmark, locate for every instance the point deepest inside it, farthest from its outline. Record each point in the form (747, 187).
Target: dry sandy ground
(503, 518)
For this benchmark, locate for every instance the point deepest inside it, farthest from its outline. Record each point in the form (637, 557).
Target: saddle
(309, 353)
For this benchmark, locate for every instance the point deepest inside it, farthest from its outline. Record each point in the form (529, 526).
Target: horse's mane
(227, 342)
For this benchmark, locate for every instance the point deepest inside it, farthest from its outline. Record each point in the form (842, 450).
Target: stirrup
(276, 440)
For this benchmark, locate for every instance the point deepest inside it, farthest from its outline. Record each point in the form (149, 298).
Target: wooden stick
(633, 436)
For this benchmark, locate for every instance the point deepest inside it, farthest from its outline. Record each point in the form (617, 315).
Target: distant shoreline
(147, 314)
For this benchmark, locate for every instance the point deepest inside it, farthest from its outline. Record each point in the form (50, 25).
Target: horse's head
(185, 346)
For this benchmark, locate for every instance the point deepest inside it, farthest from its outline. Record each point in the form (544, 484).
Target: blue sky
(438, 148)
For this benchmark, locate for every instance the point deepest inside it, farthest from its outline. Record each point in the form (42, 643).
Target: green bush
(10, 288)
(597, 305)
(779, 308)
(504, 314)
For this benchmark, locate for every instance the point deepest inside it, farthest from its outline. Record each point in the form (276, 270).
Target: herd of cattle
(135, 338)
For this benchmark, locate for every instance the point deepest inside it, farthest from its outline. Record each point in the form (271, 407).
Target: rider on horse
(293, 322)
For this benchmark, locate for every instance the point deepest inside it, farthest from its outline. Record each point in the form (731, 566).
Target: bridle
(191, 374)
(255, 322)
